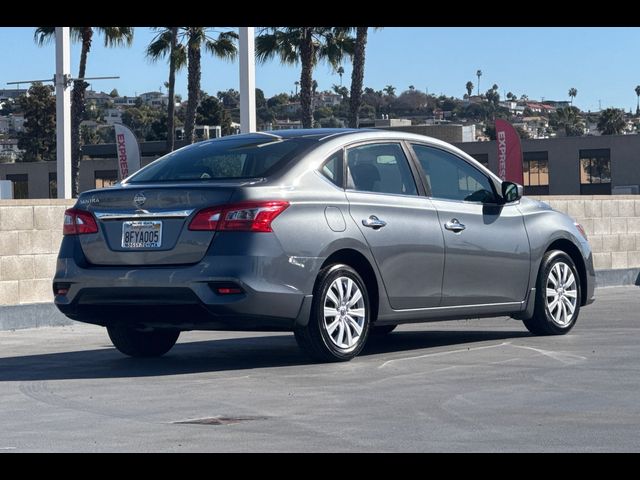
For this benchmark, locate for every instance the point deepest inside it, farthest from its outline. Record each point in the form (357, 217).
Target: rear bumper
(185, 296)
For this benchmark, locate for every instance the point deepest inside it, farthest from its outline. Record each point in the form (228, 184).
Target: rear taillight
(239, 217)
(78, 222)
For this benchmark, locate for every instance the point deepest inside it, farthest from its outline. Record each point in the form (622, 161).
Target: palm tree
(390, 90)
(222, 47)
(637, 89)
(340, 71)
(113, 36)
(189, 42)
(479, 74)
(566, 120)
(166, 42)
(572, 94)
(307, 46)
(469, 87)
(357, 75)
(611, 121)
(297, 84)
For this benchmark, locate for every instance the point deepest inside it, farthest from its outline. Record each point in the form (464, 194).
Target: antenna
(67, 80)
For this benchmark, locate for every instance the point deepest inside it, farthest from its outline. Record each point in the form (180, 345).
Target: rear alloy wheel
(138, 343)
(557, 296)
(339, 321)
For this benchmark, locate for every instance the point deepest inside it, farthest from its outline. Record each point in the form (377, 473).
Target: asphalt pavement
(473, 385)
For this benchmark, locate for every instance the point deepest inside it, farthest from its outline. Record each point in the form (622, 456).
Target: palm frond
(44, 35)
(116, 36)
(160, 45)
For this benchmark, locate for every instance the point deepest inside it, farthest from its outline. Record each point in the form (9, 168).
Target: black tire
(542, 322)
(382, 330)
(314, 338)
(136, 343)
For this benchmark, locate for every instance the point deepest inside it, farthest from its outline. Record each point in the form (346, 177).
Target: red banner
(509, 152)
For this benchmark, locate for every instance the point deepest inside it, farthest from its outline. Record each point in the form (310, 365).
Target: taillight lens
(239, 217)
(206, 219)
(78, 222)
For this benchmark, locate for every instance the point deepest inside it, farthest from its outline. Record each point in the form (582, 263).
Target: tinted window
(332, 169)
(595, 166)
(223, 159)
(451, 178)
(380, 168)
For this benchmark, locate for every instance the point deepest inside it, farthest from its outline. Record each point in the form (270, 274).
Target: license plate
(142, 234)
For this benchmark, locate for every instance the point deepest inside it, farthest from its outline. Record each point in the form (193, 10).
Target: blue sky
(541, 62)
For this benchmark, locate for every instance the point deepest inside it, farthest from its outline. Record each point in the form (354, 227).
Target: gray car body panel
(491, 273)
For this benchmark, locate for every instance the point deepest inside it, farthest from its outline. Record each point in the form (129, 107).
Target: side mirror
(511, 192)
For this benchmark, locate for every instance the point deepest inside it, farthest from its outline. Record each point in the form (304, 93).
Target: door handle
(454, 225)
(373, 222)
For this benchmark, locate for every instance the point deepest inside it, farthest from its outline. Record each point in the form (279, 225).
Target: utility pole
(63, 112)
(247, 80)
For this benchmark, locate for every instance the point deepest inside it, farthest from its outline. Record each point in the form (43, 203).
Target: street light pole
(63, 113)
(247, 80)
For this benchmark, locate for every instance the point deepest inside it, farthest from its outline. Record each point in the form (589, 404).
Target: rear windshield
(228, 158)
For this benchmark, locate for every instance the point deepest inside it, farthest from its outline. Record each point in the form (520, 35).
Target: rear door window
(380, 168)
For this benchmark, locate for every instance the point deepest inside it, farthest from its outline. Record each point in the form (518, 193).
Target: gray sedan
(332, 234)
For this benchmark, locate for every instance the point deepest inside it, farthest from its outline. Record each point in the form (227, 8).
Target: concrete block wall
(31, 232)
(612, 224)
(30, 236)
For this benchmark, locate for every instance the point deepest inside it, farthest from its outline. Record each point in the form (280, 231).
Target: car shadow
(218, 355)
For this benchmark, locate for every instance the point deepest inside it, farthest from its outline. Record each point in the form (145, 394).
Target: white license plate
(142, 234)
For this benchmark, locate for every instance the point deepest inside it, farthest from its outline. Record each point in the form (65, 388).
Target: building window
(20, 185)
(483, 158)
(53, 185)
(535, 167)
(595, 172)
(105, 178)
(595, 166)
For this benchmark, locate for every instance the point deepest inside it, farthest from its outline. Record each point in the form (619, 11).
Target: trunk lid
(148, 224)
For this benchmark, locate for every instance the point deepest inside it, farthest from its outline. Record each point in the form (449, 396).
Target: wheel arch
(568, 247)
(362, 265)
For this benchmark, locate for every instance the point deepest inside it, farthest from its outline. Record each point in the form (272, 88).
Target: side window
(451, 178)
(380, 168)
(332, 169)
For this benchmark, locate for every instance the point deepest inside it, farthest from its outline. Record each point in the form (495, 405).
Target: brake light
(206, 219)
(78, 222)
(239, 217)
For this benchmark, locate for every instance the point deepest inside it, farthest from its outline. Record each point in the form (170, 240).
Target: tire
(321, 338)
(551, 317)
(382, 330)
(136, 343)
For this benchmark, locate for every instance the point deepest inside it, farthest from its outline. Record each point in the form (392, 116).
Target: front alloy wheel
(340, 315)
(557, 296)
(561, 294)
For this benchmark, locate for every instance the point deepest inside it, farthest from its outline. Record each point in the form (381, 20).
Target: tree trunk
(306, 59)
(171, 109)
(357, 75)
(77, 109)
(193, 82)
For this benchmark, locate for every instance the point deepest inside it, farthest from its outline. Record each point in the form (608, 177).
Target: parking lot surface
(476, 385)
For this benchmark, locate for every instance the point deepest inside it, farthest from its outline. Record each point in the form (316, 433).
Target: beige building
(601, 165)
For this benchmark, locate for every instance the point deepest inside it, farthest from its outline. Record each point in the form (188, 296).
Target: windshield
(229, 158)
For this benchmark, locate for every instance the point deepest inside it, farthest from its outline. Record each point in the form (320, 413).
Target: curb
(617, 278)
(34, 315)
